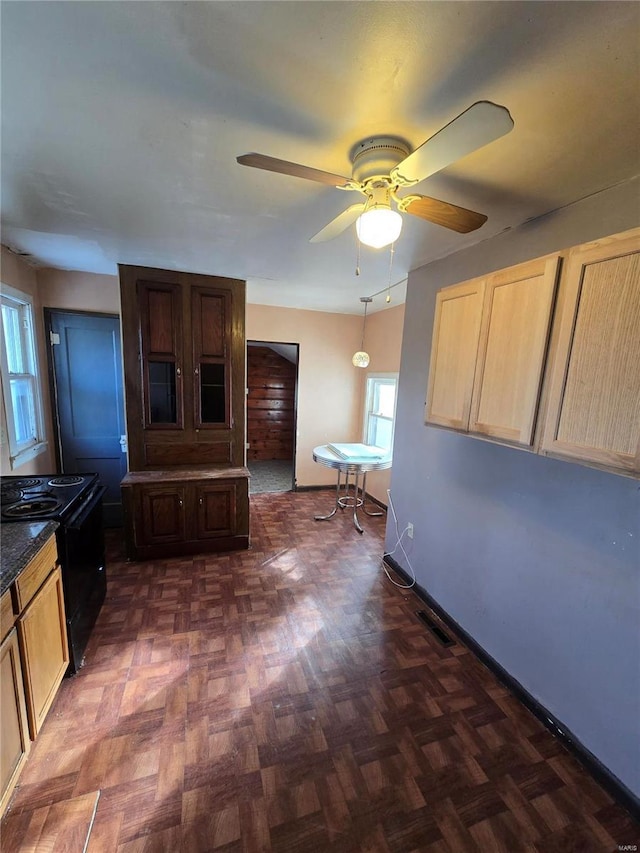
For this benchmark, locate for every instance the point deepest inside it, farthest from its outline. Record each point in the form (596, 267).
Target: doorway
(85, 375)
(272, 393)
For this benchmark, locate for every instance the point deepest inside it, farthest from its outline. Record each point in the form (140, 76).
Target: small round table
(357, 466)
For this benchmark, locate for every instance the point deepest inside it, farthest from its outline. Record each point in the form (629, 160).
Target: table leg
(334, 510)
(364, 497)
(356, 503)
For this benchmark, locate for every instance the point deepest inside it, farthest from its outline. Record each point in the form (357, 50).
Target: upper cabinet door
(454, 349)
(594, 401)
(211, 312)
(516, 318)
(160, 307)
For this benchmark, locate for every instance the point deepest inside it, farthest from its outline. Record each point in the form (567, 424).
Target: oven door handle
(76, 521)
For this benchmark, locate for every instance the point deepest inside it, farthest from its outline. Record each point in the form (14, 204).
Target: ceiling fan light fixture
(378, 226)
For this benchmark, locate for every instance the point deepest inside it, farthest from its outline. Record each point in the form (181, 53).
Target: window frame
(21, 452)
(369, 395)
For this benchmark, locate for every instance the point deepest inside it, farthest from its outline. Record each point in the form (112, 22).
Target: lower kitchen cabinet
(163, 514)
(170, 513)
(34, 657)
(15, 743)
(42, 632)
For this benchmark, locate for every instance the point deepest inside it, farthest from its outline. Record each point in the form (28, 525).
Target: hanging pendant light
(361, 358)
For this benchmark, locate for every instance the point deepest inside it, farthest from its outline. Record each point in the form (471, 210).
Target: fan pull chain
(358, 256)
(391, 254)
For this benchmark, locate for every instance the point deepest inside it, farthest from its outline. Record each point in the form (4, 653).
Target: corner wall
(537, 559)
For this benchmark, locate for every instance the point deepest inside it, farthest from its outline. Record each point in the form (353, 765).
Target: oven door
(82, 558)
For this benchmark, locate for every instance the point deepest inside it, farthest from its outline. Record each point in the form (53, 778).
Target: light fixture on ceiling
(378, 226)
(361, 358)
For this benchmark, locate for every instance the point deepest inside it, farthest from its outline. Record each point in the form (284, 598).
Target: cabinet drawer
(32, 578)
(7, 616)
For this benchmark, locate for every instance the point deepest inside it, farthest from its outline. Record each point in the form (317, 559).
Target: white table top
(325, 456)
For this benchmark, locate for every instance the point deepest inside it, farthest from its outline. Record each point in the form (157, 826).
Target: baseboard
(370, 498)
(614, 786)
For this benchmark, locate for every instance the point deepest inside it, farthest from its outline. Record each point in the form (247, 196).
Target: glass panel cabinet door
(211, 323)
(162, 393)
(161, 333)
(213, 395)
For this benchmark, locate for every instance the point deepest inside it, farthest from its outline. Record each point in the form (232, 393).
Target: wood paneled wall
(271, 400)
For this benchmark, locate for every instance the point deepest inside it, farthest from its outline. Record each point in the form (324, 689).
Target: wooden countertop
(183, 474)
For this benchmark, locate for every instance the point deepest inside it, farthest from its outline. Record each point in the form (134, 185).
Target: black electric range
(75, 502)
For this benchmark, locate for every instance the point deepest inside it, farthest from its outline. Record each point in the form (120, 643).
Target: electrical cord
(395, 548)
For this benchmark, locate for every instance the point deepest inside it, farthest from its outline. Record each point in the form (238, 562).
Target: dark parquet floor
(288, 699)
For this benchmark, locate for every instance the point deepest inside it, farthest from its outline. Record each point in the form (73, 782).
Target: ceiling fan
(383, 165)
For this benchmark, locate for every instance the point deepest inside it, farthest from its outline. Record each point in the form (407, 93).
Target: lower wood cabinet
(34, 657)
(14, 741)
(170, 513)
(43, 639)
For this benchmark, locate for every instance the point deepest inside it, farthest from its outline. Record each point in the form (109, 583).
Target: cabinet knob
(197, 371)
(178, 372)
(180, 501)
(200, 501)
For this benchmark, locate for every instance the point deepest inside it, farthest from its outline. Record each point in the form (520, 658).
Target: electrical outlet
(410, 530)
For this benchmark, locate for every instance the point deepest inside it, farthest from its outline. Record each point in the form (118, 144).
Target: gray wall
(538, 559)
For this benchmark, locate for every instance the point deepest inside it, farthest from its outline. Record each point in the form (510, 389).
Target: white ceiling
(121, 123)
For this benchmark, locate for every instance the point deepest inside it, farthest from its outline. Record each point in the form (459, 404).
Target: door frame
(255, 342)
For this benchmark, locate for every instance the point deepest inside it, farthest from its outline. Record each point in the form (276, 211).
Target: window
(20, 386)
(380, 409)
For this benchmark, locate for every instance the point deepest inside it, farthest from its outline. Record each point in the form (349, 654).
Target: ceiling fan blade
(284, 167)
(482, 123)
(339, 224)
(442, 213)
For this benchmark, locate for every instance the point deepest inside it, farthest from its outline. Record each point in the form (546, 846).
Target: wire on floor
(395, 548)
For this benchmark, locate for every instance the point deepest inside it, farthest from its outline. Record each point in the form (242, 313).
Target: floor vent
(435, 629)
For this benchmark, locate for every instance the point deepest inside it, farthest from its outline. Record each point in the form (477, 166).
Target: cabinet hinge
(54, 338)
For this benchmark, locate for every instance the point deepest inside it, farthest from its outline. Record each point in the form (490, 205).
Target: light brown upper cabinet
(453, 354)
(488, 351)
(594, 398)
(516, 317)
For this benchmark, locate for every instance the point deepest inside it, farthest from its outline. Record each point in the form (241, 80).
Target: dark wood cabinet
(184, 364)
(184, 512)
(163, 514)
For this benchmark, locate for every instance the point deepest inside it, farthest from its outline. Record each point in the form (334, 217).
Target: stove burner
(68, 480)
(11, 495)
(31, 509)
(25, 483)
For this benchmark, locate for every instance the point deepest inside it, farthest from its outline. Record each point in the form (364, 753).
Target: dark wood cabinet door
(211, 332)
(216, 509)
(163, 514)
(161, 333)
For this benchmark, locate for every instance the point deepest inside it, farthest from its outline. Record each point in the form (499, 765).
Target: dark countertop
(20, 541)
